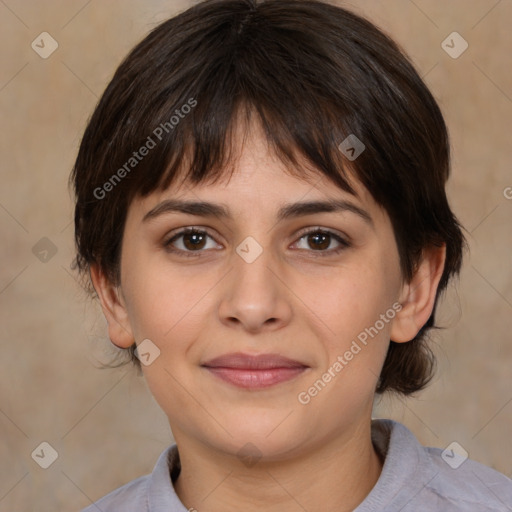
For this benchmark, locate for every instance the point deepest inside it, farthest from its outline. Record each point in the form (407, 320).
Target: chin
(256, 443)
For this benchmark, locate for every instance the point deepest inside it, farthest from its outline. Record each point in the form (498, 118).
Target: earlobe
(419, 295)
(114, 309)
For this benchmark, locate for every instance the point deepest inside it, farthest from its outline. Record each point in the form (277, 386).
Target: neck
(335, 476)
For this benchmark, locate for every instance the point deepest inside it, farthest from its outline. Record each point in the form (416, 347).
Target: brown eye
(190, 241)
(319, 241)
(195, 240)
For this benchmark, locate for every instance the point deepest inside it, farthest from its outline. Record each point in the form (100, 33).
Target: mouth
(254, 372)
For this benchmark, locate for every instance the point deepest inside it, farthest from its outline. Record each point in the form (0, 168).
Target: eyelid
(177, 233)
(315, 229)
(342, 239)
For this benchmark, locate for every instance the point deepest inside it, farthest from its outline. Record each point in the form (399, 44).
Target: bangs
(199, 156)
(302, 123)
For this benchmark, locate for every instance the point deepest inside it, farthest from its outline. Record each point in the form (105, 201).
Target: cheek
(164, 300)
(169, 308)
(355, 306)
(351, 299)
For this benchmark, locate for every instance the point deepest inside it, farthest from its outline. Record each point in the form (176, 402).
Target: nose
(255, 296)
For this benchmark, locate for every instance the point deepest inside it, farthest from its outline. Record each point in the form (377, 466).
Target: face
(316, 287)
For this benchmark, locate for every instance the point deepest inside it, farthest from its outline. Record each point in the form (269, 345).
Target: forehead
(255, 180)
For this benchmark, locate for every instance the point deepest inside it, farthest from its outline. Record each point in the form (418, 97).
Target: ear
(114, 309)
(419, 295)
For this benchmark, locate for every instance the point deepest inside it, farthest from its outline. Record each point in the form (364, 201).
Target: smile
(253, 379)
(254, 372)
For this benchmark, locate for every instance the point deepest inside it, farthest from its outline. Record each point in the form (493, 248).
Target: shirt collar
(406, 465)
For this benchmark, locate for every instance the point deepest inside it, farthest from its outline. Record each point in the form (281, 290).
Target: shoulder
(462, 480)
(415, 477)
(153, 492)
(129, 497)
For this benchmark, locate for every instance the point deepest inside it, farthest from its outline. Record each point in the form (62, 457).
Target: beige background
(104, 424)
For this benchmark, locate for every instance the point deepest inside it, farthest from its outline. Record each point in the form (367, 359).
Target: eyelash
(319, 253)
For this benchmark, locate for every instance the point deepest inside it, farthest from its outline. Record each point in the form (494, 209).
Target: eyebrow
(287, 211)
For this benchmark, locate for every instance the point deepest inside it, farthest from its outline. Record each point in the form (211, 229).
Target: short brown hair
(314, 73)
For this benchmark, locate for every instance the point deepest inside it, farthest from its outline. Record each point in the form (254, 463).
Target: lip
(254, 371)
(241, 361)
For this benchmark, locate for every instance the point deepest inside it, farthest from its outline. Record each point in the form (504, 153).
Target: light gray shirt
(413, 479)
